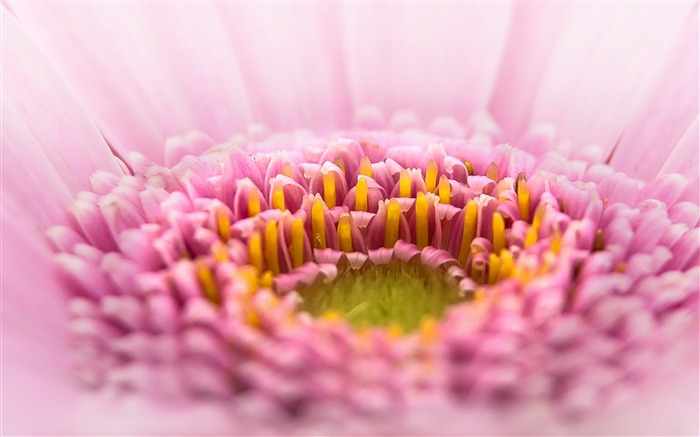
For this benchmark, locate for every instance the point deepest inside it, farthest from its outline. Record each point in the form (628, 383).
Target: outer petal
(666, 110)
(291, 61)
(145, 71)
(49, 150)
(603, 59)
(424, 57)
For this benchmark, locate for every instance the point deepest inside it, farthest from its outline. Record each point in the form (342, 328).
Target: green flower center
(394, 294)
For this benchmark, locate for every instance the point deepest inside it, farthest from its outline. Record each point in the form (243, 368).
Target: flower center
(262, 271)
(397, 294)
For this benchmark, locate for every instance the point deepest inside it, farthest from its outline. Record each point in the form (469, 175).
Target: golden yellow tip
(208, 283)
(405, 184)
(250, 275)
(444, 190)
(297, 247)
(471, 212)
(494, 268)
(253, 202)
(421, 220)
(266, 279)
(523, 191)
(394, 330)
(499, 233)
(492, 172)
(271, 250)
(361, 195)
(428, 329)
(393, 220)
(220, 252)
(329, 189)
(345, 233)
(365, 166)
(470, 168)
(318, 224)
(431, 176)
(278, 198)
(223, 223)
(555, 245)
(255, 252)
(506, 264)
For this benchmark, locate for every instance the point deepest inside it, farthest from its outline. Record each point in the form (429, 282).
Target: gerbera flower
(350, 219)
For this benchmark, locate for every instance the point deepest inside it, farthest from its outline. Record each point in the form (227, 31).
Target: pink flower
(174, 136)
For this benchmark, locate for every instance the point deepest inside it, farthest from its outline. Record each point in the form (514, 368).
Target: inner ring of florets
(186, 278)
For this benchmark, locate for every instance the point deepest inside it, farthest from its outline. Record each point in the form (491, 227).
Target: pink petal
(397, 55)
(603, 59)
(138, 68)
(666, 110)
(50, 147)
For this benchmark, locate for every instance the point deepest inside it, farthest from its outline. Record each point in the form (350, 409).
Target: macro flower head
(350, 218)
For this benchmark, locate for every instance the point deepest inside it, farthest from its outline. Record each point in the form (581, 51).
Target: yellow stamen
(318, 224)
(250, 275)
(499, 233)
(534, 230)
(523, 197)
(297, 247)
(255, 256)
(492, 172)
(271, 251)
(331, 316)
(278, 198)
(470, 168)
(421, 221)
(220, 253)
(404, 184)
(287, 170)
(340, 163)
(361, 195)
(621, 267)
(506, 264)
(531, 236)
(329, 189)
(208, 283)
(468, 230)
(444, 190)
(598, 240)
(223, 223)
(555, 245)
(253, 203)
(539, 215)
(394, 330)
(431, 175)
(266, 279)
(345, 234)
(494, 268)
(428, 329)
(393, 216)
(365, 167)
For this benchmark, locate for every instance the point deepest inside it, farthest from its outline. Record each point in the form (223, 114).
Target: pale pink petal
(423, 56)
(291, 62)
(604, 58)
(666, 111)
(50, 147)
(145, 71)
(535, 26)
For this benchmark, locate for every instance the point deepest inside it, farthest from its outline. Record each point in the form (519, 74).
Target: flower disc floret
(241, 270)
